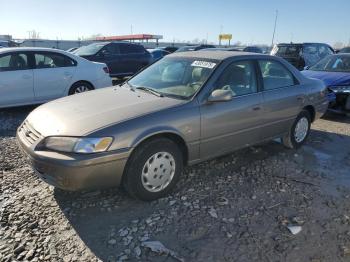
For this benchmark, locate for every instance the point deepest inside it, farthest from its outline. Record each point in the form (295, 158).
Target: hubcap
(81, 89)
(301, 129)
(158, 172)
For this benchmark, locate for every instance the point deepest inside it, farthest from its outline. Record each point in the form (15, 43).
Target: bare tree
(32, 34)
(338, 45)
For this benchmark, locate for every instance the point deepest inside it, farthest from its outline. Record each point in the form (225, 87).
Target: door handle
(256, 108)
(67, 74)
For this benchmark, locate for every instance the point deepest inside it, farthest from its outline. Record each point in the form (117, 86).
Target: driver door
(229, 125)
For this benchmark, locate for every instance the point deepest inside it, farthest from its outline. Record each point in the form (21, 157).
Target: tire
(146, 182)
(80, 87)
(294, 141)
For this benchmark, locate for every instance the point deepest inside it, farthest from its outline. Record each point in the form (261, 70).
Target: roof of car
(216, 54)
(16, 49)
(304, 43)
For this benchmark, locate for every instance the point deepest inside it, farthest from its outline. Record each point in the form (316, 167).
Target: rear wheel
(153, 169)
(299, 131)
(80, 87)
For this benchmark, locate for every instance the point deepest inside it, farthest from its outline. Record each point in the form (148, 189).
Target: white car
(37, 75)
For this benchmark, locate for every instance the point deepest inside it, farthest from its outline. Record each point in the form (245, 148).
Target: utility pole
(274, 28)
(221, 27)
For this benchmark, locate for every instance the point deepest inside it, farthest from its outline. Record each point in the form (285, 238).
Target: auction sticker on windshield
(204, 64)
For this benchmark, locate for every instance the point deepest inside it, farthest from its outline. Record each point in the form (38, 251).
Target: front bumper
(321, 108)
(76, 171)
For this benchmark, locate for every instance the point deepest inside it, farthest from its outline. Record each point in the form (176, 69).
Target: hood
(329, 78)
(80, 114)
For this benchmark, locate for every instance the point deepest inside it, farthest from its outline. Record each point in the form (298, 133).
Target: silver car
(186, 108)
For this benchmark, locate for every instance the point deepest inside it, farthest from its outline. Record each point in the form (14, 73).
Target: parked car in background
(70, 50)
(170, 49)
(222, 49)
(37, 75)
(344, 50)
(186, 108)
(302, 55)
(194, 48)
(253, 49)
(4, 43)
(334, 71)
(123, 59)
(157, 54)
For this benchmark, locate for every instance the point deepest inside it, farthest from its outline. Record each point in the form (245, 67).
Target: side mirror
(220, 95)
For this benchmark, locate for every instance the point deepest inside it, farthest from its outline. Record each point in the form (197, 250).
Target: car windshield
(175, 77)
(89, 49)
(333, 64)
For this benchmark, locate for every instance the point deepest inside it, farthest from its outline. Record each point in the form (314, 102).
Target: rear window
(89, 49)
(286, 50)
(52, 60)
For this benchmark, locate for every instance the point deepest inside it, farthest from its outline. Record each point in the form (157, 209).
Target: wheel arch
(168, 133)
(80, 81)
(311, 111)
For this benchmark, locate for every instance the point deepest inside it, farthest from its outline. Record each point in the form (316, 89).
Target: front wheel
(299, 131)
(153, 169)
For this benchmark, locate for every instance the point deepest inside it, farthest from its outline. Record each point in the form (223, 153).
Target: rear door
(53, 75)
(228, 125)
(133, 56)
(16, 79)
(283, 98)
(110, 55)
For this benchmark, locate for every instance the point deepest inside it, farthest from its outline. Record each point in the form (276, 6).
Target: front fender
(158, 130)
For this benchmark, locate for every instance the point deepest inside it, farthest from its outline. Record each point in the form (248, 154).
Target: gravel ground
(241, 207)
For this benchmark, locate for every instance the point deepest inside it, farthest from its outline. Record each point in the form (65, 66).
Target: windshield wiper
(149, 90)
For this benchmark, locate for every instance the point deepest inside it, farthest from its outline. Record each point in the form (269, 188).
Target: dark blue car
(122, 58)
(157, 54)
(334, 70)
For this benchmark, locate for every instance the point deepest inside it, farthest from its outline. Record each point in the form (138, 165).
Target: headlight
(78, 144)
(345, 89)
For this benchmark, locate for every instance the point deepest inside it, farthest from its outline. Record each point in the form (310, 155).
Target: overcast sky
(249, 21)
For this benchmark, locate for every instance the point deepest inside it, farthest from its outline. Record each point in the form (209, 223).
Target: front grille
(28, 133)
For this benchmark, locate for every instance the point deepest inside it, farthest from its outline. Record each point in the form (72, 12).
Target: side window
(110, 49)
(239, 77)
(275, 75)
(13, 62)
(131, 49)
(52, 60)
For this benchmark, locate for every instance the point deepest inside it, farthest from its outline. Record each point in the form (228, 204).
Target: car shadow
(11, 118)
(341, 118)
(95, 215)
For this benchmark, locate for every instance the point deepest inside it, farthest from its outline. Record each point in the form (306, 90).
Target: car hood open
(80, 114)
